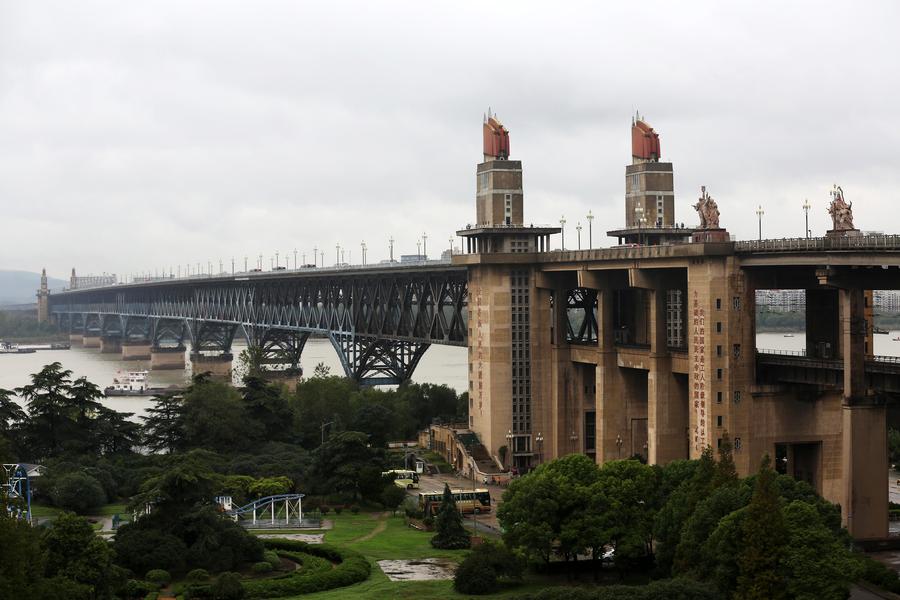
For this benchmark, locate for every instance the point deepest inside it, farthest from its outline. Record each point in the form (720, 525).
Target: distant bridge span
(379, 319)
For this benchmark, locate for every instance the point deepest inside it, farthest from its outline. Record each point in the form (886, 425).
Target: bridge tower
(43, 300)
(504, 402)
(649, 192)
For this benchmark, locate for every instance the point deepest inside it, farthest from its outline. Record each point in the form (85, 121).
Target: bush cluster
(350, 568)
(666, 589)
(160, 577)
(482, 569)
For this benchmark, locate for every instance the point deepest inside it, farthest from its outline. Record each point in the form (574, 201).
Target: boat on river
(9, 348)
(134, 383)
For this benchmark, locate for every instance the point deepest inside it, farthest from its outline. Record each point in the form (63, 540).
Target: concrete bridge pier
(110, 344)
(218, 365)
(76, 338)
(864, 456)
(137, 350)
(91, 339)
(166, 358)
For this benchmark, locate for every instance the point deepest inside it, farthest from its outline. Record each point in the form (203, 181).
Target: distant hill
(19, 287)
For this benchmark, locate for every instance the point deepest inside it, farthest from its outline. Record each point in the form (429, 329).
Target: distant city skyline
(142, 137)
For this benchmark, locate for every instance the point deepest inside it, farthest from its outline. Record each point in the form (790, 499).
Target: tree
(764, 534)
(376, 420)
(21, 557)
(115, 432)
(265, 406)
(817, 565)
(270, 486)
(214, 418)
(47, 402)
(340, 463)
(78, 492)
(11, 413)
(163, 426)
(726, 472)
(450, 532)
(393, 496)
(75, 552)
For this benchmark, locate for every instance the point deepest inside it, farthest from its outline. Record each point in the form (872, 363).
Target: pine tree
(164, 424)
(450, 532)
(764, 535)
(726, 472)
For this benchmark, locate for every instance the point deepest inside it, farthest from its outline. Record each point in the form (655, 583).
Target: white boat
(9, 348)
(129, 383)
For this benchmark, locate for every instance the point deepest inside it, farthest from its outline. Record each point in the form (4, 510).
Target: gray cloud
(139, 136)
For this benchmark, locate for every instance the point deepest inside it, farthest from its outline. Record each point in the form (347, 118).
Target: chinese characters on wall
(698, 379)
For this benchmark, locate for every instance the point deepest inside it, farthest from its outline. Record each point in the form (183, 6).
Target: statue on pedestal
(841, 212)
(708, 210)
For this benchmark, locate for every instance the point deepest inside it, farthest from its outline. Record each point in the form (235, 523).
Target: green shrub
(475, 577)
(197, 576)
(227, 587)
(160, 577)
(261, 567)
(316, 575)
(338, 509)
(136, 588)
(878, 574)
(324, 509)
(271, 557)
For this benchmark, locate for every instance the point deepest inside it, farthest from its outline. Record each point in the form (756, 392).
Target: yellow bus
(403, 478)
(467, 501)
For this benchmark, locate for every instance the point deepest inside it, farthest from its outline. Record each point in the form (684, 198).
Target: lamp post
(277, 264)
(391, 246)
(450, 241)
(562, 226)
(337, 254)
(509, 444)
(424, 246)
(232, 266)
(578, 229)
(363, 246)
(245, 263)
(590, 219)
(619, 443)
(759, 213)
(806, 207)
(539, 440)
(315, 256)
(419, 250)
(295, 259)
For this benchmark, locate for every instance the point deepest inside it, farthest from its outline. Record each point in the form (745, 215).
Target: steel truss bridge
(379, 319)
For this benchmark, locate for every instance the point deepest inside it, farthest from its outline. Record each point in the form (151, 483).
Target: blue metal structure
(278, 511)
(17, 491)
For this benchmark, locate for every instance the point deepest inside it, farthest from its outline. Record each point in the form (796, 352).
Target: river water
(440, 365)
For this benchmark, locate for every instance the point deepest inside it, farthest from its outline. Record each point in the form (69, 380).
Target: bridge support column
(218, 366)
(864, 508)
(667, 411)
(162, 358)
(91, 340)
(110, 344)
(136, 350)
(613, 439)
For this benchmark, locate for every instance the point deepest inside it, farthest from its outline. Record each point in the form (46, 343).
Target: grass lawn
(41, 511)
(389, 538)
(109, 510)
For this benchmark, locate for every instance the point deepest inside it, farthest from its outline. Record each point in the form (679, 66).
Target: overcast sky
(142, 135)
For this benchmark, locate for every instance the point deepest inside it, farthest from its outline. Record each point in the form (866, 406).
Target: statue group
(708, 210)
(841, 212)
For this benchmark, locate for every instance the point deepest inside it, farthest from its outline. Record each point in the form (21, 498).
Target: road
(486, 522)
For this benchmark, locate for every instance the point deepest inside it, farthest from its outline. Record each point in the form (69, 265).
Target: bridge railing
(854, 242)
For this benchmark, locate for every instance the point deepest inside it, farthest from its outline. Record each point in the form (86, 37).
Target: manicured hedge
(665, 589)
(351, 567)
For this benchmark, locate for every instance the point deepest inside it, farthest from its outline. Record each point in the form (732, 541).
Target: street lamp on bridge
(362, 245)
(450, 240)
(806, 207)
(578, 229)
(562, 226)
(391, 243)
(590, 219)
(337, 254)
(425, 244)
(759, 213)
(315, 256)
(295, 259)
